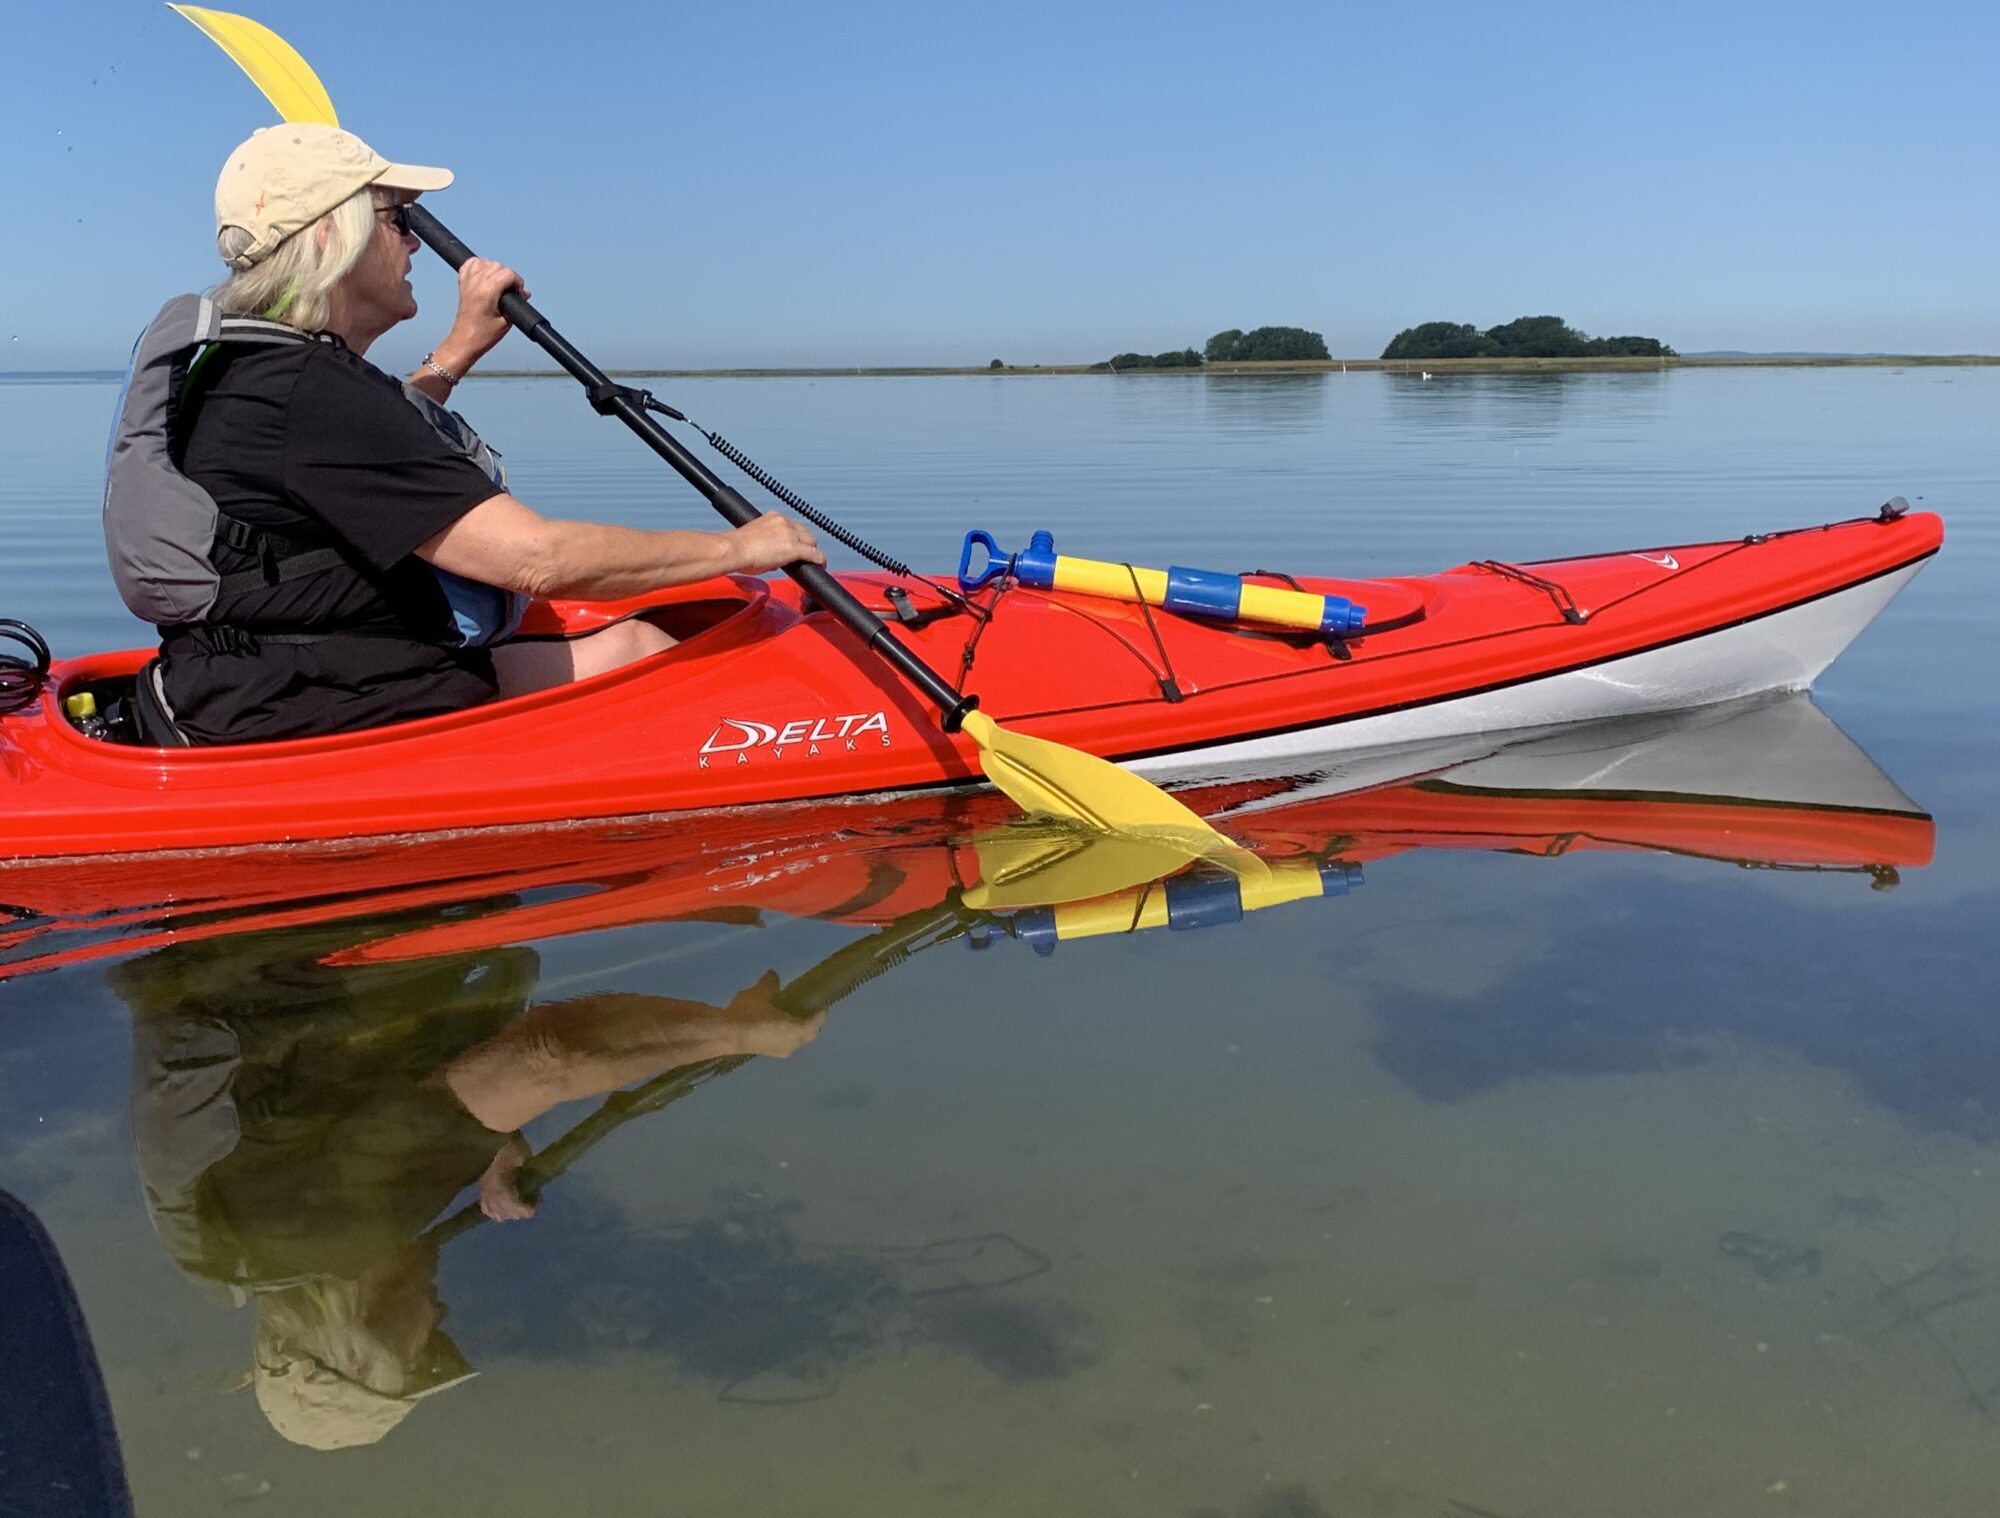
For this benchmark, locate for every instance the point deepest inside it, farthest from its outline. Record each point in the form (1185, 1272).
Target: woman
(329, 480)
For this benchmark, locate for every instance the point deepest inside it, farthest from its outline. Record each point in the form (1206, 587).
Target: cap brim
(413, 177)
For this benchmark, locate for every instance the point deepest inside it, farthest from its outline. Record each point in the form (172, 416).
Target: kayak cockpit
(95, 699)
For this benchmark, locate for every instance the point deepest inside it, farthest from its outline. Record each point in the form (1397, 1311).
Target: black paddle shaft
(616, 400)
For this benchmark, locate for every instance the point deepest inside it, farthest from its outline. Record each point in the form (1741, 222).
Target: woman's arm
(503, 542)
(588, 1045)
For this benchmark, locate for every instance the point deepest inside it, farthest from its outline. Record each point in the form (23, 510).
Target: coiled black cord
(820, 519)
(21, 679)
(799, 503)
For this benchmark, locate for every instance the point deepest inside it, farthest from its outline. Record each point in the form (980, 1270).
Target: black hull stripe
(1663, 798)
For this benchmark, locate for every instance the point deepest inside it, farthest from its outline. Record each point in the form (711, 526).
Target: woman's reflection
(299, 1125)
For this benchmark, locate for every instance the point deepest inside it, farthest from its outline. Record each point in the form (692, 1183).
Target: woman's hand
(772, 542)
(479, 326)
(499, 1188)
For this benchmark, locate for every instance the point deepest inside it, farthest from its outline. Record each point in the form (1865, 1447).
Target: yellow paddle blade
(287, 81)
(1042, 865)
(1049, 780)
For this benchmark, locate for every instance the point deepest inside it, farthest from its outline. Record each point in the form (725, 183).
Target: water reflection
(1518, 408)
(1265, 404)
(330, 1090)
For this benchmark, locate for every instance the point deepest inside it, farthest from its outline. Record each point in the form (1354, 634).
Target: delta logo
(734, 735)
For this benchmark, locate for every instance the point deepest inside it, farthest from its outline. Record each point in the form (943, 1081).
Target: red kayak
(769, 699)
(1772, 785)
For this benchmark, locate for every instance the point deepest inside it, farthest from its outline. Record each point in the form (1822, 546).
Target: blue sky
(875, 183)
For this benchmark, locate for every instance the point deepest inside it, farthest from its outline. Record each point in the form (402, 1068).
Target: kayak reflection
(1768, 785)
(298, 1125)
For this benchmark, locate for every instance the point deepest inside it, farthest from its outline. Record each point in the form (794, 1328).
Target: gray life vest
(161, 528)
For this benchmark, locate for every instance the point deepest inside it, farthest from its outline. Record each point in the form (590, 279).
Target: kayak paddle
(1043, 777)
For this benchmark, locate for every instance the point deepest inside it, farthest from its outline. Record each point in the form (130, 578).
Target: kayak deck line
(768, 700)
(1700, 669)
(1516, 632)
(1586, 664)
(1559, 595)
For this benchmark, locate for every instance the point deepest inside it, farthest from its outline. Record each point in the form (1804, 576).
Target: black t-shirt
(310, 441)
(288, 1114)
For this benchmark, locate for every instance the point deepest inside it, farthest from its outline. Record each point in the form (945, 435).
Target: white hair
(294, 283)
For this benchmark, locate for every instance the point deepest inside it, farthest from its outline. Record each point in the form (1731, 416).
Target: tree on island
(1264, 343)
(1231, 347)
(1524, 337)
(1186, 358)
(1440, 340)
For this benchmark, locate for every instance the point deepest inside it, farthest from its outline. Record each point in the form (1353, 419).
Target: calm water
(1566, 1164)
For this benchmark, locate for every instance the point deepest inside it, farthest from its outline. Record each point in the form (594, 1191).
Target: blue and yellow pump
(1192, 592)
(1202, 898)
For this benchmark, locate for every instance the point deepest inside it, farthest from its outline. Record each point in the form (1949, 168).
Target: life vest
(161, 528)
(482, 613)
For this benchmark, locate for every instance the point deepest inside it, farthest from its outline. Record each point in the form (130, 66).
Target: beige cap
(288, 177)
(314, 1405)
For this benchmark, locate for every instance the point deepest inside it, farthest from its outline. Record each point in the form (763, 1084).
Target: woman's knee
(621, 643)
(526, 667)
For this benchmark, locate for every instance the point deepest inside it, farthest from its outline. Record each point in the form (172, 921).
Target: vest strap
(228, 638)
(280, 557)
(274, 568)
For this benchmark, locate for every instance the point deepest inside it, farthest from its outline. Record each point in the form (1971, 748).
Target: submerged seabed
(1607, 1146)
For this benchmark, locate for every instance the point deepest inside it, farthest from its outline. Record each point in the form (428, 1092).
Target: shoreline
(1434, 366)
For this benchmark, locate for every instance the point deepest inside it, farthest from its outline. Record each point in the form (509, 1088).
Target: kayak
(769, 698)
(1771, 784)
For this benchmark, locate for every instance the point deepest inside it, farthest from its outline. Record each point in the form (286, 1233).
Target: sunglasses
(398, 216)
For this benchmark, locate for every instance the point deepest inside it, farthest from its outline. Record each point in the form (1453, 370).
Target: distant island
(1524, 337)
(1259, 346)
